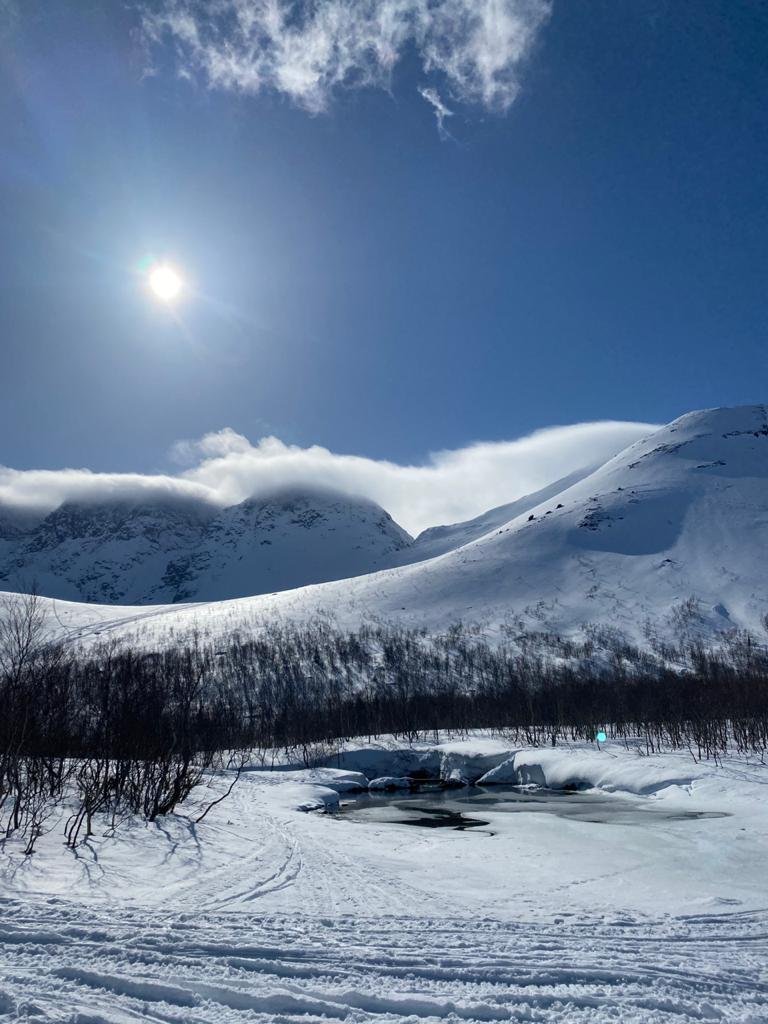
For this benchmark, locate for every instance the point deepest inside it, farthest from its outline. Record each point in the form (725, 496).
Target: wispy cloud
(214, 445)
(432, 96)
(307, 50)
(448, 487)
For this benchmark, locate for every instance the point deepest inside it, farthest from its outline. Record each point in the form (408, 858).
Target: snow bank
(458, 762)
(306, 797)
(585, 769)
(375, 762)
(464, 762)
(480, 761)
(339, 779)
(313, 789)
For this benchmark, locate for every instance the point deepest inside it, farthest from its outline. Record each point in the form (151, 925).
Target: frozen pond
(473, 807)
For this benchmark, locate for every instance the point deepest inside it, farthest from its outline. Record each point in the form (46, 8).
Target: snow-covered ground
(266, 912)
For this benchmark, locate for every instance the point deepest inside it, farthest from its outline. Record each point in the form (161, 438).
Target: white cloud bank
(449, 487)
(307, 50)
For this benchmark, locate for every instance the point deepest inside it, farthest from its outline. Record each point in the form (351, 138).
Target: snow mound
(583, 769)
(311, 789)
(389, 783)
(299, 796)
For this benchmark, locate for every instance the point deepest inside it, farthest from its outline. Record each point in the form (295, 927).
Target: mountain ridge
(127, 552)
(667, 539)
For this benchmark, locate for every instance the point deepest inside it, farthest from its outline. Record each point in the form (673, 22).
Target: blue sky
(594, 251)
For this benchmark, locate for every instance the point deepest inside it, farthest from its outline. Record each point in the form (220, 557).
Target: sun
(165, 282)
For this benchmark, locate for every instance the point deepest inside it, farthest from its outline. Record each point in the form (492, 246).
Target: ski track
(109, 968)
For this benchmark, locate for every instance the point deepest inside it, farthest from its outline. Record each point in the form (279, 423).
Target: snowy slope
(439, 539)
(682, 513)
(670, 537)
(125, 552)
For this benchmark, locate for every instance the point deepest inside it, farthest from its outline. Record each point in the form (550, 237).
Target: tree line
(110, 731)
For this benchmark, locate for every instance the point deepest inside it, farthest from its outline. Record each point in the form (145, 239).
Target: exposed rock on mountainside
(168, 552)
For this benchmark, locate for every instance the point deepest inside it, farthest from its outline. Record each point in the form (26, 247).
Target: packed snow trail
(112, 968)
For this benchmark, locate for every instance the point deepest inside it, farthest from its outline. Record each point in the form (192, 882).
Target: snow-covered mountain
(670, 535)
(284, 541)
(161, 552)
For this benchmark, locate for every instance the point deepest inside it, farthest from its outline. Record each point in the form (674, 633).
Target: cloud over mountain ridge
(224, 468)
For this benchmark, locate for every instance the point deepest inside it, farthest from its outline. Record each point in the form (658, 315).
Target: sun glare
(165, 282)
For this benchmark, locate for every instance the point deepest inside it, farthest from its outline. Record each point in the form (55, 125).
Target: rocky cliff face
(125, 553)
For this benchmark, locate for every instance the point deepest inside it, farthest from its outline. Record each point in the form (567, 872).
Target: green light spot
(146, 261)
(601, 737)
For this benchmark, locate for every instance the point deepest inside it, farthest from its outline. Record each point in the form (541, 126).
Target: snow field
(119, 968)
(264, 912)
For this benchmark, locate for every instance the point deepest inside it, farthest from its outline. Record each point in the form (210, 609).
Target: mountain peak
(159, 548)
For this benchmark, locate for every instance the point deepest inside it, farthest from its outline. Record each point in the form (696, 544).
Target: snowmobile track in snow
(59, 962)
